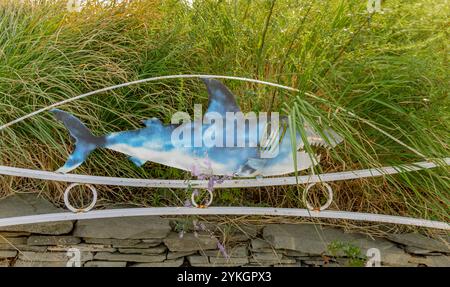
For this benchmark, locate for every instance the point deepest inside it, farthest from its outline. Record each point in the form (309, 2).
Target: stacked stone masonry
(158, 242)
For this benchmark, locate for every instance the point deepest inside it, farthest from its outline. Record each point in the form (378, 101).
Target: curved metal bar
(198, 76)
(13, 171)
(70, 206)
(323, 207)
(254, 182)
(223, 210)
(139, 82)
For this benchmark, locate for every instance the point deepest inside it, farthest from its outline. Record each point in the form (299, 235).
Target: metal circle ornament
(77, 210)
(208, 203)
(323, 207)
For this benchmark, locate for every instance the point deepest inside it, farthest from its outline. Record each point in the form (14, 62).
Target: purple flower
(187, 203)
(222, 250)
(208, 163)
(211, 184)
(194, 171)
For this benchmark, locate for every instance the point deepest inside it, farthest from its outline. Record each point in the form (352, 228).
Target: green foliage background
(390, 69)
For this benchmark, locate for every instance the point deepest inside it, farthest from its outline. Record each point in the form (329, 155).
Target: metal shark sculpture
(155, 142)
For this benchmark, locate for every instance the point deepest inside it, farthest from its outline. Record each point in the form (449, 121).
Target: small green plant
(352, 252)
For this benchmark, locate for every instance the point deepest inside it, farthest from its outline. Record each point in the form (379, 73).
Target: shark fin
(221, 100)
(252, 167)
(137, 161)
(85, 141)
(151, 122)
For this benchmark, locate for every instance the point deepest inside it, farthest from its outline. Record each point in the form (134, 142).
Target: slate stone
(22, 247)
(242, 233)
(259, 244)
(152, 242)
(197, 260)
(141, 227)
(13, 234)
(235, 237)
(267, 257)
(175, 255)
(314, 258)
(153, 250)
(419, 251)
(257, 264)
(82, 247)
(14, 240)
(313, 262)
(397, 259)
(166, 263)
(301, 237)
(105, 264)
(24, 263)
(111, 242)
(316, 240)
(30, 204)
(42, 240)
(432, 261)
(7, 254)
(4, 263)
(189, 242)
(421, 241)
(293, 253)
(296, 264)
(221, 261)
(52, 256)
(211, 253)
(129, 257)
(332, 264)
(239, 251)
(121, 243)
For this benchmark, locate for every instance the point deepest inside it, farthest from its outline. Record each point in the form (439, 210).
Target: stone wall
(156, 241)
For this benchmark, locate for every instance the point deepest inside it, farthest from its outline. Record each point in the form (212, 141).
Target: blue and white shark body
(154, 143)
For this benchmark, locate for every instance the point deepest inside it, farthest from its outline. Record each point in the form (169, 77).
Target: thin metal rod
(233, 183)
(197, 76)
(139, 82)
(223, 210)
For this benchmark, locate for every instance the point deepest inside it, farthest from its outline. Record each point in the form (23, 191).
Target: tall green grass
(390, 69)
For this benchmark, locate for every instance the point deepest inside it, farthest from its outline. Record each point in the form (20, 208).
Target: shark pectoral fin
(137, 161)
(252, 167)
(256, 163)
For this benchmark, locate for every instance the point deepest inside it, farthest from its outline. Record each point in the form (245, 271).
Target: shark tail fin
(85, 141)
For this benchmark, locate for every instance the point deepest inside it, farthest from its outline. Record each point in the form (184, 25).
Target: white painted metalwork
(232, 183)
(222, 210)
(207, 204)
(79, 214)
(70, 206)
(323, 207)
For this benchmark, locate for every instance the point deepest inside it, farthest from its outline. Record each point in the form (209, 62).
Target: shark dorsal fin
(151, 122)
(221, 100)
